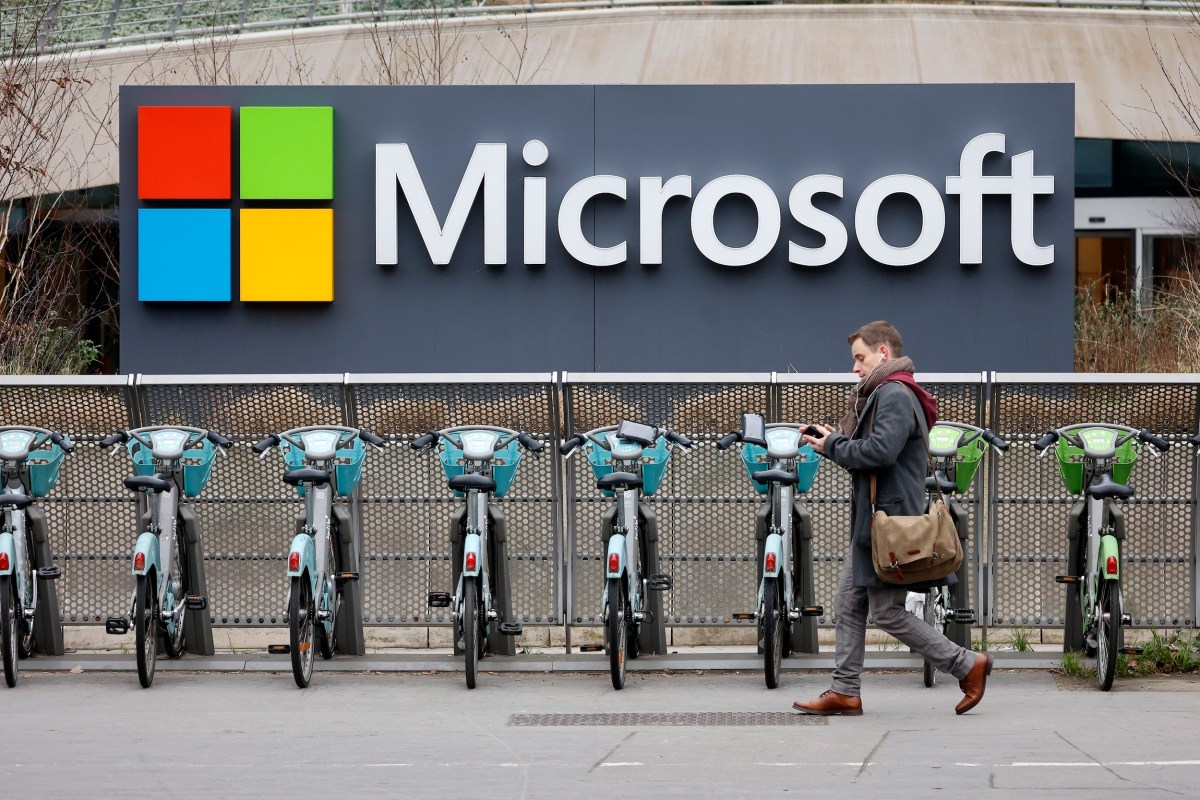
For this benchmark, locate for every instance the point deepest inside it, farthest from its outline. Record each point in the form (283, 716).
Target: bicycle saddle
(619, 480)
(473, 480)
(780, 476)
(943, 483)
(295, 477)
(15, 500)
(1105, 487)
(153, 482)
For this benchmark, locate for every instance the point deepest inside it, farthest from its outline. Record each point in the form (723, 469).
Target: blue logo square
(184, 254)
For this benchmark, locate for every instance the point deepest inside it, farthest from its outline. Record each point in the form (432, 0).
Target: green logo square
(286, 153)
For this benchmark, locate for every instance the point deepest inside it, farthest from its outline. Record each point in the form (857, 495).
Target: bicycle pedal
(745, 616)
(279, 649)
(511, 629)
(1132, 651)
(345, 577)
(49, 573)
(643, 616)
(117, 626)
(812, 611)
(1066, 579)
(591, 648)
(963, 616)
(660, 583)
(324, 614)
(439, 599)
(1126, 619)
(196, 602)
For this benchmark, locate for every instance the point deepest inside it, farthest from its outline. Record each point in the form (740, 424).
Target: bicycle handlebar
(526, 440)
(1071, 434)
(728, 440)
(47, 435)
(568, 446)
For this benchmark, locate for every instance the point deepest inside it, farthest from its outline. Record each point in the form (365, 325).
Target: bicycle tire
(145, 625)
(326, 641)
(8, 630)
(615, 637)
(771, 625)
(301, 625)
(1108, 636)
(177, 592)
(470, 630)
(25, 634)
(929, 673)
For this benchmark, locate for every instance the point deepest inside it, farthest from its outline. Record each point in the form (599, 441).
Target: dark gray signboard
(594, 228)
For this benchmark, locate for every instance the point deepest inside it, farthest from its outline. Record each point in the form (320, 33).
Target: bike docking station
(47, 624)
(652, 634)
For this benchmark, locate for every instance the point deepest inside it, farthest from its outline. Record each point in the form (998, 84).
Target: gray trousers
(886, 607)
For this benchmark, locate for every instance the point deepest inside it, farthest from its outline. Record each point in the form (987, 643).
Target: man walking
(882, 435)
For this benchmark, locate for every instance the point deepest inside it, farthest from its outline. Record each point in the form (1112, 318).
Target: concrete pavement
(378, 733)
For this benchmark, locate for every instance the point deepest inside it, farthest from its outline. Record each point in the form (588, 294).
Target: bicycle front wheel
(616, 640)
(301, 624)
(771, 626)
(930, 615)
(176, 597)
(8, 630)
(145, 619)
(25, 641)
(1108, 634)
(470, 630)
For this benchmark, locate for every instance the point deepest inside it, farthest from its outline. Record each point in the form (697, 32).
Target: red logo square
(184, 152)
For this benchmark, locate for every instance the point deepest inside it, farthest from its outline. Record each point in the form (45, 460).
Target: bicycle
(1095, 459)
(628, 461)
(955, 450)
(163, 590)
(480, 462)
(778, 465)
(322, 461)
(30, 461)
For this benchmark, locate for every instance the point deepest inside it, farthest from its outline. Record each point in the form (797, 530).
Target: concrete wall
(1111, 56)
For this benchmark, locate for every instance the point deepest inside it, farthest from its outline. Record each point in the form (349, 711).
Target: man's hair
(879, 333)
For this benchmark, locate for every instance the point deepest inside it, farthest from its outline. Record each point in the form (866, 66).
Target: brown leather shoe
(973, 685)
(831, 704)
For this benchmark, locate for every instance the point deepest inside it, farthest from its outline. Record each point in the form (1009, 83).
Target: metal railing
(57, 25)
(705, 509)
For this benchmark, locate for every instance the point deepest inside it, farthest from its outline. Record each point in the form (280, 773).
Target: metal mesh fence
(1030, 506)
(705, 509)
(407, 506)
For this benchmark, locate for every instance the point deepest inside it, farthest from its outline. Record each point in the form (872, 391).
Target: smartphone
(814, 431)
(637, 432)
(754, 429)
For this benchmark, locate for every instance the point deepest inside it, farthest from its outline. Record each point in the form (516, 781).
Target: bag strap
(924, 428)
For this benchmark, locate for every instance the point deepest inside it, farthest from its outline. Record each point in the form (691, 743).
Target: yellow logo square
(287, 255)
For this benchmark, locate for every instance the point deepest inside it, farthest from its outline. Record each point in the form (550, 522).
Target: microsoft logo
(186, 233)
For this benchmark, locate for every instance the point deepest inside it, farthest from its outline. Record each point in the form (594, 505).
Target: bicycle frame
(308, 555)
(152, 543)
(624, 551)
(476, 543)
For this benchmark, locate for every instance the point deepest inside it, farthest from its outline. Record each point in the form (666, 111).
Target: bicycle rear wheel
(176, 597)
(25, 641)
(470, 630)
(145, 624)
(1108, 634)
(771, 626)
(301, 624)
(8, 630)
(615, 637)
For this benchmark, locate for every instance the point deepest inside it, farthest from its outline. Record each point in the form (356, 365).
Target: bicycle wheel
(470, 630)
(930, 615)
(1108, 635)
(771, 626)
(616, 640)
(25, 643)
(8, 630)
(145, 619)
(329, 602)
(301, 624)
(176, 597)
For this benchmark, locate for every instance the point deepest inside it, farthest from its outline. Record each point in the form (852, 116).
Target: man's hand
(818, 442)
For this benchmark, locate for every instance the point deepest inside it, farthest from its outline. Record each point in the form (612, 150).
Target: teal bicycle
(1095, 459)
(781, 467)
(322, 461)
(628, 461)
(480, 462)
(30, 460)
(171, 463)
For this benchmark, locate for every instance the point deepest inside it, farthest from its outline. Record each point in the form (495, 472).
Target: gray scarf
(857, 399)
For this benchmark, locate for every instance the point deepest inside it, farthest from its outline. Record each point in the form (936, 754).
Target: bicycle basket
(196, 464)
(347, 465)
(44, 466)
(1071, 461)
(504, 464)
(654, 464)
(755, 459)
(969, 456)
